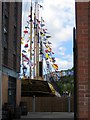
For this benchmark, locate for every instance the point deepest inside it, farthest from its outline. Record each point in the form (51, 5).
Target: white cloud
(61, 51)
(64, 64)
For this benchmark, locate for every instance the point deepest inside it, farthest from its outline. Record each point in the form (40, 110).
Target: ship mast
(31, 40)
(36, 68)
(37, 42)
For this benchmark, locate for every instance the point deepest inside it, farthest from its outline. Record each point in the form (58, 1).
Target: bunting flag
(49, 42)
(29, 16)
(24, 51)
(47, 46)
(44, 39)
(52, 52)
(22, 38)
(28, 40)
(26, 45)
(38, 21)
(24, 67)
(40, 6)
(44, 43)
(25, 31)
(22, 42)
(28, 22)
(51, 87)
(42, 19)
(47, 56)
(49, 49)
(52, 60)
(55, 66)
(26, 27)
(46, 51)
(42, 34)
(42, 25)
(48, 36)
(25, 57)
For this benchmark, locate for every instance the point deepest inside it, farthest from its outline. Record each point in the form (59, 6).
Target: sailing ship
(36, 52)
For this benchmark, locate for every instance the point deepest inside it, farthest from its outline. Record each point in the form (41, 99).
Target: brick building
(82, 59)
(11, 33)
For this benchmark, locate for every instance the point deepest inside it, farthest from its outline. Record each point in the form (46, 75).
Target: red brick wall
(82, 40)
(14, 24)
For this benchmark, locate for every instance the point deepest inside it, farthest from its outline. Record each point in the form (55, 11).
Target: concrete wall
(18, 92)
(4, 88)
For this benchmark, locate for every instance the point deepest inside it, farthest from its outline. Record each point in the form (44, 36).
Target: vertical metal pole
(75, 69)
(37, 46)
(1, 60)
(31, 39)
(35, 41)
(34, 103)
(69, 103)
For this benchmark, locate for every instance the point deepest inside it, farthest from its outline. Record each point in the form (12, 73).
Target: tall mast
(37, 45)
(41, 55)
(35, 41)
(31, 39)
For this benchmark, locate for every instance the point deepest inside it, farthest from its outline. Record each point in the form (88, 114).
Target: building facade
(0, 61)
(11, 48)
(82, 59)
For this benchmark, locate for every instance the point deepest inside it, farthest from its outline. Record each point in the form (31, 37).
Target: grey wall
(0, 60)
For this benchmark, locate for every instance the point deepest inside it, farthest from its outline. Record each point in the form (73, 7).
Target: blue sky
(59, 16)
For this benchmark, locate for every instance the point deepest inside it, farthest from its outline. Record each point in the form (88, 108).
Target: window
(15, 39)
(14, 62)
(5, 56)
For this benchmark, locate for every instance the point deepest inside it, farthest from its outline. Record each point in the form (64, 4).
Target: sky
(59, 18)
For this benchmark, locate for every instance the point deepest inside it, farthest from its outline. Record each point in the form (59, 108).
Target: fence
(49, 104)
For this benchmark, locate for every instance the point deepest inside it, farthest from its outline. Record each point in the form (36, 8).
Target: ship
(36, 52)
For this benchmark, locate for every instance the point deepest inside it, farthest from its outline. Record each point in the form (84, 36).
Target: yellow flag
(47, 56)
(22, 38)
(52, 88)
(55, 66)
(22, 42)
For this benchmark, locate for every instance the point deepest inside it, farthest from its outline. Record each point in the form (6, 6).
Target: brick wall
(11, 36)
(83, 66)
(14, 42)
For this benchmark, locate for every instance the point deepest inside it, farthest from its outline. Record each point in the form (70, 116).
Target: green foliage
(66, 84)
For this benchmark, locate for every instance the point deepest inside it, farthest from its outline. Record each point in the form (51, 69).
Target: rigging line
(25, 8)
(50, 68)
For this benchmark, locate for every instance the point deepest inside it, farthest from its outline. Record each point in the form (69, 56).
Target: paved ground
(48, 115)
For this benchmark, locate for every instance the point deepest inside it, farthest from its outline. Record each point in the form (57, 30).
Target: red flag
(25, 31)
(46, 51)
(26, 45)
(24, 56)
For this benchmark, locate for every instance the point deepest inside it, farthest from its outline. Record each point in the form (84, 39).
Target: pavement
(48, 115)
